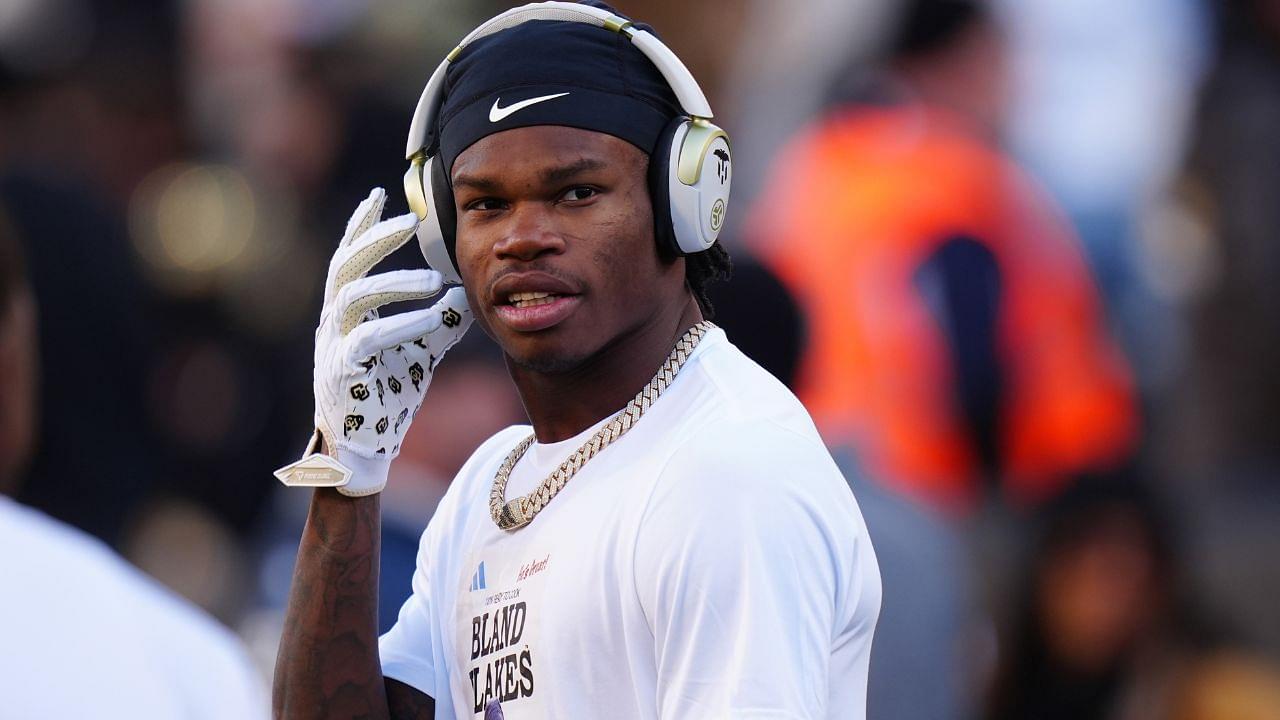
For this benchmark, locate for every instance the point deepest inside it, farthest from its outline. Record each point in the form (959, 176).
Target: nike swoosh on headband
(498, 113)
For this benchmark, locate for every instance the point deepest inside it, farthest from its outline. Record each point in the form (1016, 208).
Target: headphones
(689, 173)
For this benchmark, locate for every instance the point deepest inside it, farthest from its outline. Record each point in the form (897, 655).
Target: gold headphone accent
(617, 24)
(693, 151)
(415, 185)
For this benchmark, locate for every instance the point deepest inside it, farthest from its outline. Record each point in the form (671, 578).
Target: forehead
(534, 149)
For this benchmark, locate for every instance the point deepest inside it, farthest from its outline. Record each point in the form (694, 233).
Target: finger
(455, 317)
(425, 334)
(385, 333)
(362, 295)
(357, 259)
(367, 213)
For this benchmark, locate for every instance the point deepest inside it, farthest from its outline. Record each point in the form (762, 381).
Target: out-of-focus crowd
(1020, 259)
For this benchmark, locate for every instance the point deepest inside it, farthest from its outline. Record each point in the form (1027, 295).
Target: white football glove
(371, 373)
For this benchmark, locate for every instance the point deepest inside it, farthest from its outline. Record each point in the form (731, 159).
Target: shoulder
(748, 425)
(747, 445)
(731, 385)
(146, 624)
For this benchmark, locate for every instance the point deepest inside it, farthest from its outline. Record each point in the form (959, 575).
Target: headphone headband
(686, 89)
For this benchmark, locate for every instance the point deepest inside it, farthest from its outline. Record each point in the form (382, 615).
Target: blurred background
(1020, 258)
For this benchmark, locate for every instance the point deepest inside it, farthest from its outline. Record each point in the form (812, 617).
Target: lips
(529, 302)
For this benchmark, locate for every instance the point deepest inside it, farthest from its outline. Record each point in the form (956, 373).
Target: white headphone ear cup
(698, 210)
(431, 239)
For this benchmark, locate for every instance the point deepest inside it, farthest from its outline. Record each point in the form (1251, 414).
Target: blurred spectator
(1103, 96)
(1232, 390)
(1103, 629)
(956, 340)
(1215, 251)
(70, 134)
(85, 634)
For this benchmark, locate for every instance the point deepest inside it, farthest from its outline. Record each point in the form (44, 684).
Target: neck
(561, 405)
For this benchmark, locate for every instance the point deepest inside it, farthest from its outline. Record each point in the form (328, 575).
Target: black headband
(546, 72)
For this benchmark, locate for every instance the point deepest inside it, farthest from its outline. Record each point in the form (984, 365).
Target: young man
(696, 555)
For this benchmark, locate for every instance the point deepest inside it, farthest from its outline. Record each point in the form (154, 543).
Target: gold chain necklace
(520, 511)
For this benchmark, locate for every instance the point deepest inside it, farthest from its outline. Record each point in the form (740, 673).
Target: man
(85, 634)
(957, 341)
(697, 555)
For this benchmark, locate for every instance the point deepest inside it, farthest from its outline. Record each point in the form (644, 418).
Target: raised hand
(371, 373)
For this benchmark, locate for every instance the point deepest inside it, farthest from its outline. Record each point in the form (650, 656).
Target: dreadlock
(703, 267)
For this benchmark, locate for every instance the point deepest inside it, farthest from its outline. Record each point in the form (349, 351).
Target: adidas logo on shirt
(477, 580)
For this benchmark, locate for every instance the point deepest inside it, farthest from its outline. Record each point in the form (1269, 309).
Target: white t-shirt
(711, 563)
(85, 635)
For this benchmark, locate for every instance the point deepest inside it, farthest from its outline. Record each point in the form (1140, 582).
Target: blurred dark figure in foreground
(68, 139)
(85, 634)
(956, 339)
(1217, 435)
(1103, 629)
(1233, 418)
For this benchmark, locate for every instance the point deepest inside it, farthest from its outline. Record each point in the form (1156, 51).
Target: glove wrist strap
(345, 471)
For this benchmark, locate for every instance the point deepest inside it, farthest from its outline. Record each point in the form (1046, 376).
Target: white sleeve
(746, 572)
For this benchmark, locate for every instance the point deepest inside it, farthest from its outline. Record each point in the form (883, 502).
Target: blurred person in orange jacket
(84, 633)
(955, 335)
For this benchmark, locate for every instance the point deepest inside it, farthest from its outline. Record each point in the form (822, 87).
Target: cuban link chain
(520, 511)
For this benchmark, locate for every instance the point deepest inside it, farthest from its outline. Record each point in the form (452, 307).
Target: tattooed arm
(328, 664)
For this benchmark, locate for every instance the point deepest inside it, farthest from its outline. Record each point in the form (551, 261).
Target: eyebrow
(483, 184)
(550, 176)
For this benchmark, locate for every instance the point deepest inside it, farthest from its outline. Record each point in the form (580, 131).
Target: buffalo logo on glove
(451, 318)
(352, 423)
(400, 419)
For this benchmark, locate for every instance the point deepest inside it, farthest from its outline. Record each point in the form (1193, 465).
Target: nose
(529, 235)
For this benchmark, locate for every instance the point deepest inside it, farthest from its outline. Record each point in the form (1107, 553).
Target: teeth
(531, 299)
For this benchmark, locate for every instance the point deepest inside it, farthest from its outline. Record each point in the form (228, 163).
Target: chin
(547, 361)
(548, 352)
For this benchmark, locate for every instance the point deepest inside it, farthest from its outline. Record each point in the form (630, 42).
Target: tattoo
(408, 703)
(328, 665)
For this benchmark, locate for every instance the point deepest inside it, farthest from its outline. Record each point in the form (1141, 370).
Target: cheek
(469, 261)
(628, 257)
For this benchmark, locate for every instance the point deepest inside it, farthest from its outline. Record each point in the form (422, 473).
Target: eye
(579, 193)
(487, 204)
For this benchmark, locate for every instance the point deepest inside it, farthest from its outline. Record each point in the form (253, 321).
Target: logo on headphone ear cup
(699, 176)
